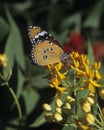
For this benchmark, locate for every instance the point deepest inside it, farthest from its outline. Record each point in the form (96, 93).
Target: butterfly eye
(51, 49)
(44, 57)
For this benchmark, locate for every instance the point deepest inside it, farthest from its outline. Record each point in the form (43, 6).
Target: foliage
(23, 86)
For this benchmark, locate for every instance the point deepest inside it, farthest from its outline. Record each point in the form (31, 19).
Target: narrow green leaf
(39, 121)
(74, 19)
(4, 29)
(90, 53)
(21, 80)
(15, 43)
(15, 122)
(31, 98)
(94, 17)
(39, 81)
(9, 50)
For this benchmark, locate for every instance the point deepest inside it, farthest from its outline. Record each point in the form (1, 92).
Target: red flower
(98, 50)
(75, 42)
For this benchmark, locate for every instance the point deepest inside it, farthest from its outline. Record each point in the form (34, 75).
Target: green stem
(16, 101)
(98, 122)
(100, 115)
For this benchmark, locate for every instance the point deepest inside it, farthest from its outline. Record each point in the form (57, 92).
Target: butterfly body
(45, 50)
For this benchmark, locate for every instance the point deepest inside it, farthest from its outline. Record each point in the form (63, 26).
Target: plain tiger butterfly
(45, 49)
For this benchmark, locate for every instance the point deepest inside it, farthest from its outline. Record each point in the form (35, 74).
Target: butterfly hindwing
(47, 53)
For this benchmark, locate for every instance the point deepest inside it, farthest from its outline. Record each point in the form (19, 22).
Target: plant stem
(16, 101)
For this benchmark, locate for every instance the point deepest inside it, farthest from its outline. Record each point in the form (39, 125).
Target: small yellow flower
(74, 55)
(97, 66)
(90, 81)
(91, 84)
(3, 60)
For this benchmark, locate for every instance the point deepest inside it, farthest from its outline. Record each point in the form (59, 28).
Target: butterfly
(45, 49)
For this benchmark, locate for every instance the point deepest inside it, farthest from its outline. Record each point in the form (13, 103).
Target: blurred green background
(58, 17)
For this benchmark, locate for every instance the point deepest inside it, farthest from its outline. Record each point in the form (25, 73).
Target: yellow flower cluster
(60, 111)
(89, 73)
(78, 75)
(57, 77)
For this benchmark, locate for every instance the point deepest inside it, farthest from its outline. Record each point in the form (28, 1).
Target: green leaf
(9, 50)
(90, 53)
(4, 29)
(69, 21)
(21, 80)
(31, 98)
(39, 81)
(14, 48)
(39, 121)
(93, 19)
(15, 122)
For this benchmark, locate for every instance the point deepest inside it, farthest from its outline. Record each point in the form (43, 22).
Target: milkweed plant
(79, 88)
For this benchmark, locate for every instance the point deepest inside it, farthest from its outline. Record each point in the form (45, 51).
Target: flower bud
(90, 100)
(90, 119)
(49, 117)
(101, 93)
(58, 110)
(57, 117)
(91, 95)
(86, 107)
(46, 107)
(58, 103)
(70, 99)
(102, 111)
(68, 105)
